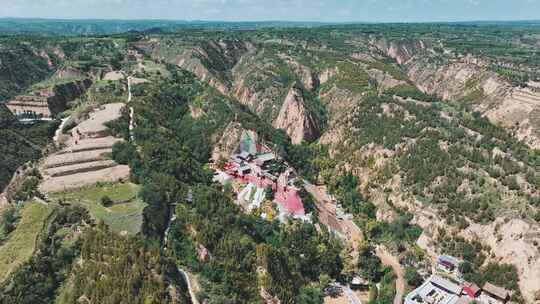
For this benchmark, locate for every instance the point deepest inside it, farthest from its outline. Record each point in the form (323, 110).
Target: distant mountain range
(10, 25)
(100, 26)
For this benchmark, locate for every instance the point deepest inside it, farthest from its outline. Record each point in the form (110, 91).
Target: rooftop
(266, 157)
(470, 289)
(495, 290)
(446, 284)
(448, 259)
(436, 290)
(244, 154)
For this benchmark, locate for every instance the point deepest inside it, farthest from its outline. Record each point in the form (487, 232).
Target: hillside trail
(58, 131)
(389, 260)
(351, 233)
(131, 111)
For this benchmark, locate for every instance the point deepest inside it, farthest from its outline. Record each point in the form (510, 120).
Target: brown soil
(80, 180)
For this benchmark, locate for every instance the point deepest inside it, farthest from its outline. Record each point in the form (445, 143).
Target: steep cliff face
(307, 76)
(384, 80)
(295, 118)
(258, 85)
(211, 61)
(66, 92)
(229, 142)
(519, 111)
(191, 61)
(469, 81)
(402, 51)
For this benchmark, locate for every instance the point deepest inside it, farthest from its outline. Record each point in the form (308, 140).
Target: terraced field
(84, 161)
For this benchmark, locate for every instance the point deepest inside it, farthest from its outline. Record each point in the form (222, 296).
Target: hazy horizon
(265, 20)
(325, 11)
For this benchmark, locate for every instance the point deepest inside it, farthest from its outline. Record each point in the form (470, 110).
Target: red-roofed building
(470, 289)
(294, 204)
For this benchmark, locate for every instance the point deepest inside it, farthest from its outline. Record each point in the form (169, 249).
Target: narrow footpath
(131, 111)
(58, 131)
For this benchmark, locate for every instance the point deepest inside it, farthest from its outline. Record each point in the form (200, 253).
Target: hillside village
(260, 178)
(249, 173)
(388, 200)
(446, 286)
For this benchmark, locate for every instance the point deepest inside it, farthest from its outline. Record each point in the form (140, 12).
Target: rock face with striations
(64, 93)
(468, 79)
(295, 118)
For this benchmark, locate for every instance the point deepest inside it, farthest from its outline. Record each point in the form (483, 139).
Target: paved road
(131, 111)
(190, 287)
(351, 296)
(350, 232)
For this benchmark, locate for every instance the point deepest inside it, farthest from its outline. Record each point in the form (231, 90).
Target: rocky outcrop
(402, 51)
(305, 74)
(467, 79)
(326, 75)
(64, 93)
(229, 142)
(68, 73)
(211, 61)
(384, 80)
(191, 61)
(264, 102)
(519, 110)
(296, 119)
(51, 101)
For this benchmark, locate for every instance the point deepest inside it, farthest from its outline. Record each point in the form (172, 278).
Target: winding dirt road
(389, 260)
(351, 233)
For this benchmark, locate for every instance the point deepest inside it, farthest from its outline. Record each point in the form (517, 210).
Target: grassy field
(20, 245)
(126, 215)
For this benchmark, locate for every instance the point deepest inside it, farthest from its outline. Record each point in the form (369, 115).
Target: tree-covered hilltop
(247, 253)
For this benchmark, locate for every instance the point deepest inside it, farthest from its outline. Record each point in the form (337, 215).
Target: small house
(244, 170)
(435, 290)
(471, 290)
(245, 156)
(264, 160)
(492, 294)
(270, 176)
(448, 263)
(446, 285)
(359, 283)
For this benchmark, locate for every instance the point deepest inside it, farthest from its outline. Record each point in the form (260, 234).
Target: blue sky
(292, 10)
